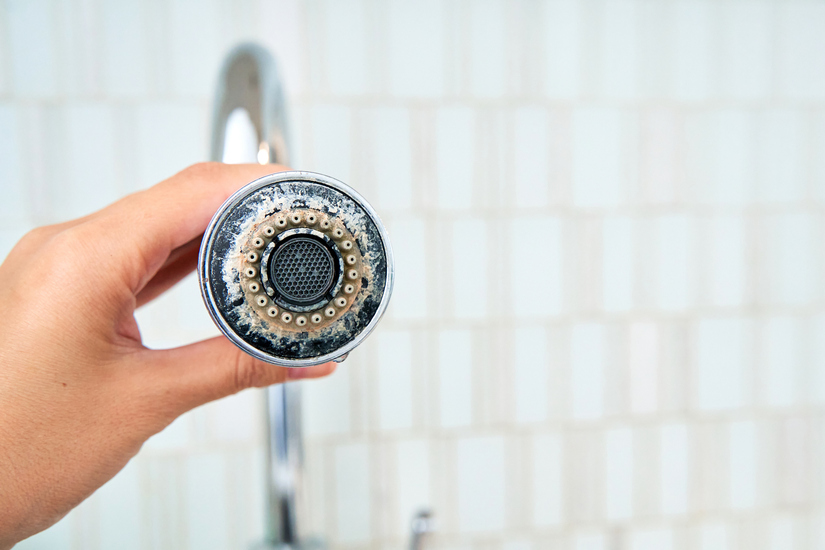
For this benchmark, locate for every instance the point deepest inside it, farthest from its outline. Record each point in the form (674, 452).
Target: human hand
(79, 393)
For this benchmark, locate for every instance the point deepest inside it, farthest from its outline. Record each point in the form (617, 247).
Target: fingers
(178, 265)
(181, 379)
(144, 228)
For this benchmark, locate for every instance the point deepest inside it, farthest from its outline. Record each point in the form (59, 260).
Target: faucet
(249, 125)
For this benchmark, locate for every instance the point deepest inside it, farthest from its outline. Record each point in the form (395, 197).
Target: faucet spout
(249, 125)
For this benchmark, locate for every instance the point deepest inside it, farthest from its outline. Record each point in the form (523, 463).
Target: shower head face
(296, 269)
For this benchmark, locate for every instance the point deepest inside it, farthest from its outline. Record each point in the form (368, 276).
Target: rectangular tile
(469, 259)
(651, 539)
(409, 297)
(14, 208)
(563, 45)
(721, 363)
(726, 261)
(597, 157)
(531, 375)
(746, 58)
(587, 382)
(326, 405)
(675, 259)
(619, 43)
(34, 47)
(480, 483)
(547, 480)
(618, 455)
(742, 464)
(693, 50)
(455, 157)
(781, 157)
(331, 141)
(455, 374)
(416, 67)
(618, 253)
(120, 510)
(205, 501)
(643, 362)
(530, 175)
(488, 48)
(392, 157)
(125, 64)
(352, 494)
(394, 384)
(412, 481)
(170, 137)
(196, 47)
(536, 279)
(346, 48)
(792, 261)
(674, 469)
(801, 67)
(782, 352)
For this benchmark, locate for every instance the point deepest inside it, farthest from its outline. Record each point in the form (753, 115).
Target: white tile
(170, 137)
(197, 46)
(409, 296)
(346, 49)
(562, 48)
(455, 375)
(651, 539)
(531, 374)
(469, 256)
(331, 141)
(619, 40)
(801, 67)
(120, 510)
(742, 464)
(530, 157)
(481, 487)
(392, 157)
(125, 55)
(726, 261)
(352, 493)
(597, 157)
(455, 157)
(693, 50)
(91, 178)
(782, 353)
(661, 140)
(416, 66)
(394, 384)
(643, 363)
(326, 405)
(713, 535)
(488, 48)
(33, 44)
(781, 533)
(14, 206)
(587, 371)
(746, 53)
(721, 361)
(781, 157)
(530, 271)
(237, 418)
(674, 235)
(793, 269)
(618, 253)
(674, 469)
(206, 503)
(283, 31)
(732, 148)
(816, 389)
(590, 542)
(618, 455)
(548, 480)
(412, 480)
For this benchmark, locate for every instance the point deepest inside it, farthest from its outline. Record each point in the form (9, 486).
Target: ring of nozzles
(259, 297)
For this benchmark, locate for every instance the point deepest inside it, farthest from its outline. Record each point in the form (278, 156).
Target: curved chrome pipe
(249, 124)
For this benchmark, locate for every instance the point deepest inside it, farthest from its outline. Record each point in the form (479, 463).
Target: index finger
(144, 228)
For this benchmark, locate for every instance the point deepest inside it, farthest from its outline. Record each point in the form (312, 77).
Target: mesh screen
(302, 270)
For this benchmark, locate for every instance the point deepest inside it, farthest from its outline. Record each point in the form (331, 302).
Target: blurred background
(608, 330)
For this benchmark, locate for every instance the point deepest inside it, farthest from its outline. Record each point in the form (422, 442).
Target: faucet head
(296, 269)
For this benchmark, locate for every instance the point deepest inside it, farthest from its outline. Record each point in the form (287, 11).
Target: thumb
(189, 376)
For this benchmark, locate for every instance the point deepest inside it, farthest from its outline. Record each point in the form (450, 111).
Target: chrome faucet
(249, 125)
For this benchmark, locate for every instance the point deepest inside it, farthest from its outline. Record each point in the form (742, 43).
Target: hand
(79, 393)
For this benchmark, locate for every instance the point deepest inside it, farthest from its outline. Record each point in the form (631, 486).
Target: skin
(79, 393)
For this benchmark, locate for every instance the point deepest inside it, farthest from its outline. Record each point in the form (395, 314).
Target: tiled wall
(608, 330)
